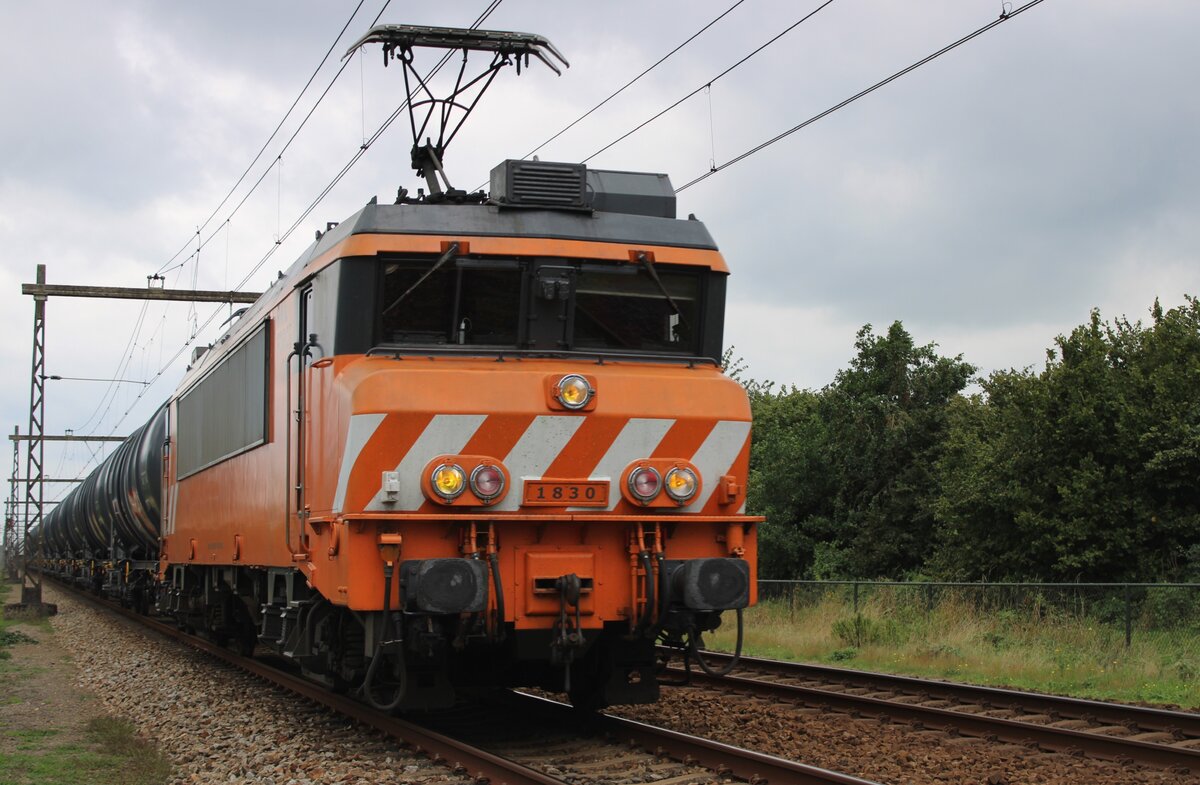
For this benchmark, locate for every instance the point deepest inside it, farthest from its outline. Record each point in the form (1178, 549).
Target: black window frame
(709, 297)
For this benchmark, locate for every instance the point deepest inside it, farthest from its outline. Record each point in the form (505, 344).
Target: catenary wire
(254, 188)
(980, 31)
(274, 133)
(166, 266)
(354, 159)
(710, 82)
(630, 83)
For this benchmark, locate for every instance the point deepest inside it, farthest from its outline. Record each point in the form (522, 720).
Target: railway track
(525, 740)
(1157, 737)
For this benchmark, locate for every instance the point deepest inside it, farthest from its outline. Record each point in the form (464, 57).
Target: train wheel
(247, 641)
(587, 686)
(586, 700)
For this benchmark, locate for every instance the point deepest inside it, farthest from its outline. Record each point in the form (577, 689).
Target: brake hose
(648, 612)
(494, 562)
(369, 679)
(664, 588)
(694, 650)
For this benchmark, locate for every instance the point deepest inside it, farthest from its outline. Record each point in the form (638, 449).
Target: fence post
(1128, 618)
(857, 620)
(792, 604)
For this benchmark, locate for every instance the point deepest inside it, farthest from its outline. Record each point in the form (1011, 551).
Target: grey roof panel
(491, 221)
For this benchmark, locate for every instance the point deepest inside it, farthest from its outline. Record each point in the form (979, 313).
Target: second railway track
(1157, 737)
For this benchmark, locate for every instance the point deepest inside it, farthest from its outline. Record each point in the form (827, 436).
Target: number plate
(566, 493)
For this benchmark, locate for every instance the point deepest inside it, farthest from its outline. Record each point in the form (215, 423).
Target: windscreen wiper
(644, 258)
(447, 256)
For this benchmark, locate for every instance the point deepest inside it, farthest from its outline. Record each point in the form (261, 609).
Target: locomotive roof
(475, 220)
(485, 220)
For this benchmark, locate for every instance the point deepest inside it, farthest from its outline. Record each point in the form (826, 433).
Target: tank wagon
(465, 439)
(105, 533)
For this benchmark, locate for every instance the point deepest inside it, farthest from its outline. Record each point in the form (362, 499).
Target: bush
(1169, 608)
(859, 630)
(1186, 671)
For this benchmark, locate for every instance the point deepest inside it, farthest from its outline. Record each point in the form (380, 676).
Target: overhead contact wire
(362, 150)
(630, 83)
(710, 82)
(166, 266)
(354, 159)
(274, 133)
(1004, 17)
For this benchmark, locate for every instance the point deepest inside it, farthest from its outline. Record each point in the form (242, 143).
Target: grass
(1042, 649)
(113, 754)
(107, 752)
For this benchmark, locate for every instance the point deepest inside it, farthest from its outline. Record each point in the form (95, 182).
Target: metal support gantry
(20, 550)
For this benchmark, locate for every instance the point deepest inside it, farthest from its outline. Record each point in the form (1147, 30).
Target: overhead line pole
(31, 584)
(10, 514)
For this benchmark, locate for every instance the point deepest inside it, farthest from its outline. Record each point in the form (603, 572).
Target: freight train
(465, 440)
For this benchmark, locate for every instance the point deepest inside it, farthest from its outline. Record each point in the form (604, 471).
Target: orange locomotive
(513, 441)
(470, 441)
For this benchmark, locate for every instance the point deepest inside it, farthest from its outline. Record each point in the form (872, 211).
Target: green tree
(1084, 471)
(845, 475)
(788, 475)
(886, 417)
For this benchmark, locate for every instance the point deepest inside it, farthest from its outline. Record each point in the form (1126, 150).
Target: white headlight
(573, 391)
(645, 483)
(487, 481)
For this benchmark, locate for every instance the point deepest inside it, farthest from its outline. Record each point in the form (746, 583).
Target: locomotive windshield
(455, 305)
(635, 312)
(546, 305)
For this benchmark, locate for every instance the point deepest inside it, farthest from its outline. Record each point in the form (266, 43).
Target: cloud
(988, 200)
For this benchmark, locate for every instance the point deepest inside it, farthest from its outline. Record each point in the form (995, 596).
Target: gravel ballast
(217, 724)
(881, 751)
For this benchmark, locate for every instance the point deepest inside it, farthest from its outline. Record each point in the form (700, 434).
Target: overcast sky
(988, 200)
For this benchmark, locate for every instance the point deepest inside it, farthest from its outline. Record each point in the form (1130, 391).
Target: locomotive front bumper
(715, 584)
(444, 585)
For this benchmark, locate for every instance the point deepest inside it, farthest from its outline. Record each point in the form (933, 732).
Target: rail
(1158, 737)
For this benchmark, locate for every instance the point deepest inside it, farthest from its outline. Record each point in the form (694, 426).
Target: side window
(226, 412)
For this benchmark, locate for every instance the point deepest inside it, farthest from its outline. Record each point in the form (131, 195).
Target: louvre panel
(534, 183)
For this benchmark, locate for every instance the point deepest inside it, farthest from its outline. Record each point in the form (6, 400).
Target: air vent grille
(540, 184)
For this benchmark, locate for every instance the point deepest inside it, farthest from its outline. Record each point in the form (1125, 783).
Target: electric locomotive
(465, 440)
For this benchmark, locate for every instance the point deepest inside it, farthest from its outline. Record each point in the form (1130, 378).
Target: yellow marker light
(681, 484)
(449, 481)
(573, 391)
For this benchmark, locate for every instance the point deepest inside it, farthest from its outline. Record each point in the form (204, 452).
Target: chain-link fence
(874, 611)
(1135, 641)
